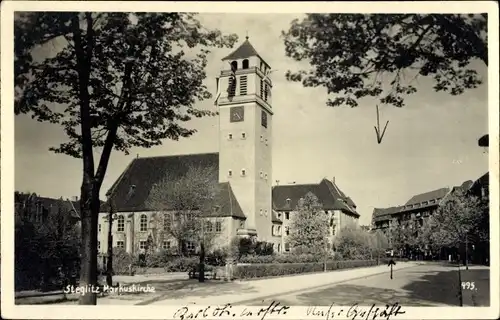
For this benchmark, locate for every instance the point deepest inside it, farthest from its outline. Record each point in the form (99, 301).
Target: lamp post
(109, 267)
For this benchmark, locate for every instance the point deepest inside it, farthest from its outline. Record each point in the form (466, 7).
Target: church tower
(245, 139)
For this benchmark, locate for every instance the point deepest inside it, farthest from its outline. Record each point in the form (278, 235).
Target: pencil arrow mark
(377, 128)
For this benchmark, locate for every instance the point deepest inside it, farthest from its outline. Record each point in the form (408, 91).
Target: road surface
(428, 285)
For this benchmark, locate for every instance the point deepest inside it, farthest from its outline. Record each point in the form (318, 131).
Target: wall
(132, 235)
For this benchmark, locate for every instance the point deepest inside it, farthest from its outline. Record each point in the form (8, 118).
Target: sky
(429, 144)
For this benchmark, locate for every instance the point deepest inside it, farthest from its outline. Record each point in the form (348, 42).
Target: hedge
(280, 269)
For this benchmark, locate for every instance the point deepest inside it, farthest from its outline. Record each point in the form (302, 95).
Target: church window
(243, 85)
(243, 172)
(234, 65)
(121, 223)
(230, 136)
(230, 173)
(243, 135)
(218, 226)
(245, 64)
(208, 226)
(143, 223)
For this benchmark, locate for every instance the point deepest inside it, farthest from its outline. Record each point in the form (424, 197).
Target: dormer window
(245, 64)
(288, 201)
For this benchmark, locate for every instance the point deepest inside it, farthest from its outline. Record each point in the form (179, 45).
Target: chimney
(75, 198)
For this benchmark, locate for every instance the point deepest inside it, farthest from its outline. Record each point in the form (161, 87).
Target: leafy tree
(185, 203)
(354, 243)
(309, 227)
(116, 81)
(46, 246)
(457, 221)
(378, 243)
(354, 55)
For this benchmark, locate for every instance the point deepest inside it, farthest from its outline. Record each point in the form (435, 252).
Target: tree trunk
(89, 205)
(201, 269)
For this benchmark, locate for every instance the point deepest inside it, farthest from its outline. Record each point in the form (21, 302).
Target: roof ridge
(178, 155)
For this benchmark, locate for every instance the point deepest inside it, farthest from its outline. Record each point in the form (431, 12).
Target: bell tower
(245, 136)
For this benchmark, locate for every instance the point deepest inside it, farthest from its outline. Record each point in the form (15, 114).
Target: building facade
(248, 205)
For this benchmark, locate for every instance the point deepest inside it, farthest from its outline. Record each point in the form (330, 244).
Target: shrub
(123, 262)
(283, 258)
(182, 264)
(217, 257)
(280, 269)
(263, 248)
(246, 246)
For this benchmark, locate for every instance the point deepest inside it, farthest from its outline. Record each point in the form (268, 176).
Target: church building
(244, 164)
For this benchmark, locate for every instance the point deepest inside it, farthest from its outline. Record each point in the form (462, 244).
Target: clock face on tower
(237, 114)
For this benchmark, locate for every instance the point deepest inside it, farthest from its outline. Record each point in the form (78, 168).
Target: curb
(159, 298)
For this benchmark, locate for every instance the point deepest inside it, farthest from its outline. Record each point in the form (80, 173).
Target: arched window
(245, 64)
(208, 226)
(121, 223)
(234, 65)
(144, 223)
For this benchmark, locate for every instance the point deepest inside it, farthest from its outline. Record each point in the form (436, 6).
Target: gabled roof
(131, 190)
(328, 194)
(435, 194)
(245, 50)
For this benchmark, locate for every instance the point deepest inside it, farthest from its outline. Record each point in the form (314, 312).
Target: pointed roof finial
(247, 35)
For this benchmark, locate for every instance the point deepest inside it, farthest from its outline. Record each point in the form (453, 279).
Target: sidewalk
(238, 292)
(479, 296)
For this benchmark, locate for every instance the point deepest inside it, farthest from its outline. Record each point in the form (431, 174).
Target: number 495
(468, 285)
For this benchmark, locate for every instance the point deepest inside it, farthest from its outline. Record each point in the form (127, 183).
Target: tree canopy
(309, 226)
(113, 81)
(380, 55)
(460, 216)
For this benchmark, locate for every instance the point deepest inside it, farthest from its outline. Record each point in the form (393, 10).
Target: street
(425, 285)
